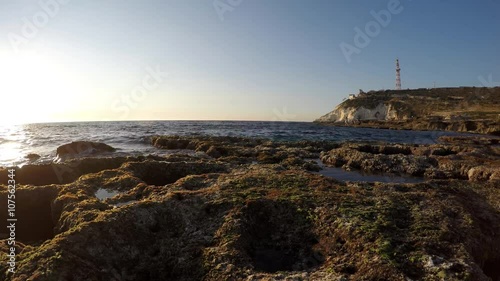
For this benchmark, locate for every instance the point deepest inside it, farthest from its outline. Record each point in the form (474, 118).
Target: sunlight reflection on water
(13, 142)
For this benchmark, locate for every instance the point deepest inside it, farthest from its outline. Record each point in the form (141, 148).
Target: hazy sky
(68, 60)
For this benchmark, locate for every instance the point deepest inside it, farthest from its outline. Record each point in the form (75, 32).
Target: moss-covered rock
(191, 218)
(470, 160)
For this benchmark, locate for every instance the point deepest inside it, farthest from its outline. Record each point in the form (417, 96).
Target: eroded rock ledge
(255, 211)
(477, 159)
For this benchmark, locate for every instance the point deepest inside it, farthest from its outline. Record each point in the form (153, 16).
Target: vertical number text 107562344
(11, 220)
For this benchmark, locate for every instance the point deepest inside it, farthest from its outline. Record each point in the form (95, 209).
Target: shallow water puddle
(103, 194)
(343, 175)
(358, 176)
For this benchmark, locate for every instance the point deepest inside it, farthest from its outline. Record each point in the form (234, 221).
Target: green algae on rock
(475, 162)
(184, 217)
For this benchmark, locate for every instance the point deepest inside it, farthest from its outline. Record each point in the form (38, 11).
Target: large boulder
(79, 148)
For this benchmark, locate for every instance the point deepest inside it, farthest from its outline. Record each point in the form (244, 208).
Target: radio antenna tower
(398, 75)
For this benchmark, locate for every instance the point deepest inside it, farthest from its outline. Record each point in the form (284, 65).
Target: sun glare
(33, 88)
(11, 139)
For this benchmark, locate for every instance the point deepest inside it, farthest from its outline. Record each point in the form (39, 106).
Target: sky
(281, 60)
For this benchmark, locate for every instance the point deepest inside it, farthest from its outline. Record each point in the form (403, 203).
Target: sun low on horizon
(35, 87)
(203, 60)
(249, 140)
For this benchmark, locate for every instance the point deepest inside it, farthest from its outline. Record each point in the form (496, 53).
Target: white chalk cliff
(463, 109)
(351, 114)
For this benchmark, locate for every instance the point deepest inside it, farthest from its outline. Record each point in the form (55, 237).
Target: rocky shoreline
(487, 127)
(253, 209)
(463, 109)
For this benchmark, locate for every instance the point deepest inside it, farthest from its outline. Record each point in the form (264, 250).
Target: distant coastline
(464, 109)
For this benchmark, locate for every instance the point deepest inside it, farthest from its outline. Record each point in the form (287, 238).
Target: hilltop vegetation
(467, 109)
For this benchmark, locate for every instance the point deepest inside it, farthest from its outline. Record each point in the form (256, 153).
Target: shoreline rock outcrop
(256, 212)
(82, 148)
(446, 160)
(465, 109)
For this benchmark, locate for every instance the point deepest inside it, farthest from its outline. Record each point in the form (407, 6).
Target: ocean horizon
(131, 138)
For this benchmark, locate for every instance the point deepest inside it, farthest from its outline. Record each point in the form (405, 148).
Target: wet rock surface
(255, 210)
(32, 157)
(475, 159)
(489, 127)
(79, 148)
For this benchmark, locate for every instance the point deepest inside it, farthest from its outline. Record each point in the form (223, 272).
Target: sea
(133, 137)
